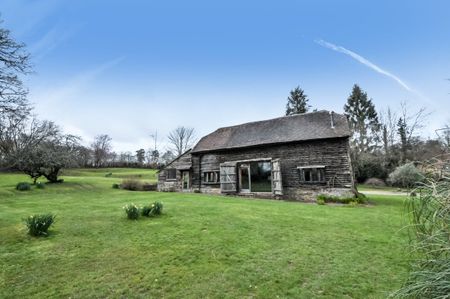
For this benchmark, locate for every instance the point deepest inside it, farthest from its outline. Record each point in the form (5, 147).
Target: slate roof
(293, 128)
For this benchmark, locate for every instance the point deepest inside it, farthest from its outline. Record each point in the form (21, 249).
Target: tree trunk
(52, 175)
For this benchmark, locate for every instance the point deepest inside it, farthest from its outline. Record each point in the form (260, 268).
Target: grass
(116, 173)
(202, 246)
(363, 187)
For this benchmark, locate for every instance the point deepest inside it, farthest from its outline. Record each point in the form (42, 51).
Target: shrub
(152, 209)
(339, 199)
(132, 211)
(406, 176)
(353, 204)
(115, 186)
(23, 186)
(40, 185)
(131, 184)
(147, 211)
(38, 224)
(429, 275)
(320, 201)
(375, 182)
(149, 187)
(157, 207)
(369, 166)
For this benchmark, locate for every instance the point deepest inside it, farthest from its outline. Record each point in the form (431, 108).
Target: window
(171, 174)
(312, 174)
(211, 177)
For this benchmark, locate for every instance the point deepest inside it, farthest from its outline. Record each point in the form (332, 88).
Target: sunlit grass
(202, 246)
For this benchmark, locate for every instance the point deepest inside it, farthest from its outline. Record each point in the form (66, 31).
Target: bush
(429, 275)
(338, 199)
(157, 207)
(369, 166)
(40, 185)
(353, 204)
(149, 187)
(115, 186)
(131, 184)
(375, 182)
(152, 209)
(132, 211)
(320, 201)
(147, 211)
(406, 176)
(39, 224)
(23, 186)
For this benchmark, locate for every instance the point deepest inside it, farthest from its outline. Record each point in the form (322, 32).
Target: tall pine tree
(403, 132)
(363, 119)
(297, 102)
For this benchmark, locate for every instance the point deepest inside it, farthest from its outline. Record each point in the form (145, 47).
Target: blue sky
(128, 68)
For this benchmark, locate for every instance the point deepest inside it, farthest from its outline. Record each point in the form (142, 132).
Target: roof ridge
(279, 117)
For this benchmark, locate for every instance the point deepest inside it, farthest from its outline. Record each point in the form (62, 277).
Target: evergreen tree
(363, 119)
(297, 102)
(140, 156)
(403, 132)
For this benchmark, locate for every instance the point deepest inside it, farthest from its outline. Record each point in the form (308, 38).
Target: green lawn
(201, 247)
(363, 187)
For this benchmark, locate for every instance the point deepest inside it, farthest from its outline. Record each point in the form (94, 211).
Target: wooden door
(186, 180)
(277, 185)
(228, 178)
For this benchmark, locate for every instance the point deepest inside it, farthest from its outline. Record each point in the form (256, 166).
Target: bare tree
(43, 150)
(181, 139)
(19, 134)
(409, 125)
(101, 149)
(388, 120)
(444, 137)
(14, 62)
(415, 121)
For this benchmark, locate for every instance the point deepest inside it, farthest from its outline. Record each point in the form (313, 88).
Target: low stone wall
(311, 194)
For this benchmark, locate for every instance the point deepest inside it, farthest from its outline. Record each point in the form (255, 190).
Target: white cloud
(364, 61)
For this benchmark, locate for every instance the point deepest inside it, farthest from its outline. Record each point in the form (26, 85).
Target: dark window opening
(171, 174)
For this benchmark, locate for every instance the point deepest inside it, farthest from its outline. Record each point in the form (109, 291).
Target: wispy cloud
(74, 86)
(25, 17)
(364, 61)
(50, 40)
(65, 103)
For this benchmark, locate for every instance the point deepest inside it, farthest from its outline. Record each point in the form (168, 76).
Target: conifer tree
(363, 119)
(297, 102)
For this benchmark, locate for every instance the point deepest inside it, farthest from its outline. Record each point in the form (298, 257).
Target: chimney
(332, 119)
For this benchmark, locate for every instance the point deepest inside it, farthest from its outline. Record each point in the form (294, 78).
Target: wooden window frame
(211, 177)
(320, 172)
(168, 178)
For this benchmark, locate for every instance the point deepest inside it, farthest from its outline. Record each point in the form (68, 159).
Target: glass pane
(314, 177)
(307, 174)
(261, 176)
(244, 178)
